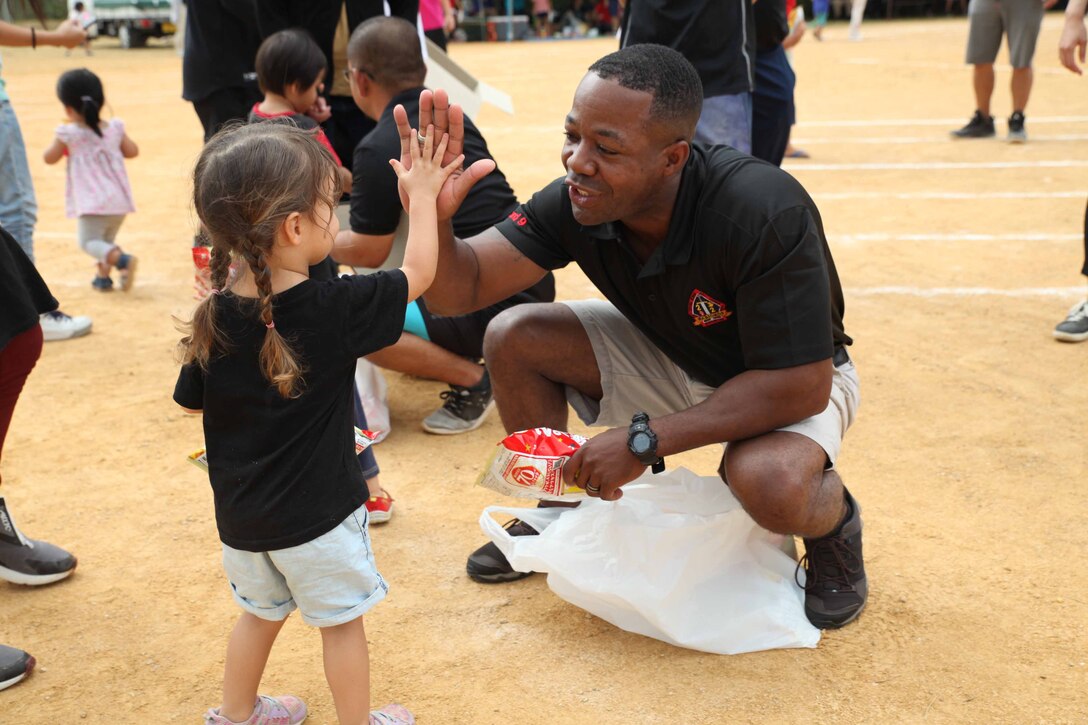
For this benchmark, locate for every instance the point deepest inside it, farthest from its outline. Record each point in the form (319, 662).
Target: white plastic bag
(676, 559)
(374, 394)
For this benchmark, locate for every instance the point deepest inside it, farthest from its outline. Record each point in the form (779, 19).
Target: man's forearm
(751, 404)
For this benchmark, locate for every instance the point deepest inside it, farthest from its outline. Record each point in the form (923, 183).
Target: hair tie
(271, 325)
(86, 99)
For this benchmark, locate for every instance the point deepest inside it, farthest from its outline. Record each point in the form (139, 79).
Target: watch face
(640, 443)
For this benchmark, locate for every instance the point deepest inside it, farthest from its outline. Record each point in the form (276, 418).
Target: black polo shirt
(744, 279)
(716, 36)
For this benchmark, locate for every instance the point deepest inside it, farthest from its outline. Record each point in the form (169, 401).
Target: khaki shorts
(1019, 19)
(636, 375)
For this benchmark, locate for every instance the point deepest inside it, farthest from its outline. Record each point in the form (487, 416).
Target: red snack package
(202, 257)
(529, 464)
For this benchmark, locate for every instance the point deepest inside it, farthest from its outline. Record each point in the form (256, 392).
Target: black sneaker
(30, 562)
(835, 583)
(978, 127)
(15, 665)
(1017, 134)
(488, 565)
(464, 409)
(1074, 328)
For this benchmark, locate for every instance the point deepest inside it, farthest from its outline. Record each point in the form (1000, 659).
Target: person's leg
(437, 36)
(1022, 79)
(424, 359)
(534, 352)
(18, 206)
(857, 14)
(17, 360)
(983, 84)
(779, 479)
(1074, 328)
(819, 17)
(1023, 22)
(347, 669)
(726, 120)
(247, 653)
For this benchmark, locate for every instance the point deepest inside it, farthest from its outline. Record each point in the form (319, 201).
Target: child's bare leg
(111, 259)
(247, 653)
(375, 487)
(347, 668)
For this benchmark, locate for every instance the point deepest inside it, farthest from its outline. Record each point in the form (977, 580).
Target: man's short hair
(387, 49)
(663, 73)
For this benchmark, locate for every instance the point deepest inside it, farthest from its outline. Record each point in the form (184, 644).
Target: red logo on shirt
(705, 310)
(518, 219)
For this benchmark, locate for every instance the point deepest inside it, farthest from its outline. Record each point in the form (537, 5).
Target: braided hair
(81, 90)
(247, 181)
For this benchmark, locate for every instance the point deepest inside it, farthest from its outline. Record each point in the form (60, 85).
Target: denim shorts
(637, 375)
(331, 580)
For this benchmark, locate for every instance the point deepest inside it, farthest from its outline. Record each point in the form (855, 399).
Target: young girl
(270, 362)
(97, 191)
(291, 73)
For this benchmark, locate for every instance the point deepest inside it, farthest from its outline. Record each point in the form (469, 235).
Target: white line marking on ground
(966, 291)
(953, 122)
(955, 237)
(940, 165)
(900, 140)
(949, 195)
(934, 65)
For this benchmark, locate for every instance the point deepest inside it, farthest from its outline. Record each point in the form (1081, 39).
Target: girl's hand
(320, 111)
(68, 34)
(425, 177)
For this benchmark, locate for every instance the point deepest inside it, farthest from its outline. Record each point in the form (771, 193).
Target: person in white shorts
(1020, 21)
(723, 319)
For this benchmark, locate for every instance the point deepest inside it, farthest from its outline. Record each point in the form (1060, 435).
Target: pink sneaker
(392, 715)
(282, 710)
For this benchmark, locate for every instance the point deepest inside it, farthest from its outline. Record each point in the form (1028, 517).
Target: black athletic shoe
(835, 583)
(26, 561)
(464, 409)
(978, 127)
(15, 665)
(1017, 134)
(487, 564)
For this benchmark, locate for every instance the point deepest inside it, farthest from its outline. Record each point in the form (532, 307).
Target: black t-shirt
(283, 471)
(221, 42)
(716, 36)
(744, 280)
(23, 294)
(375, 204)
(772, 26)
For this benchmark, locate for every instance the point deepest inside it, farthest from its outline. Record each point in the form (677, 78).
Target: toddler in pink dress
(97, 192)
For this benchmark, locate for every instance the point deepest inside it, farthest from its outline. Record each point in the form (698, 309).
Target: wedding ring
(595, 490)
(422, 139)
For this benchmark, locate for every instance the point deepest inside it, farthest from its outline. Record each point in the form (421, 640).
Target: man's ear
(676, 155)
(291, 230)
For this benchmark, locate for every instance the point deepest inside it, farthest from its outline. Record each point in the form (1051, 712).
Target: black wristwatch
(642, 442)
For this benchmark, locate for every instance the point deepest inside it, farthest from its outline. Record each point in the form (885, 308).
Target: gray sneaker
(1075, 327)
(465, 409)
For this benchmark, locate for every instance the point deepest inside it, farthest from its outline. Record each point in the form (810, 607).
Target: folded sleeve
(189, 389)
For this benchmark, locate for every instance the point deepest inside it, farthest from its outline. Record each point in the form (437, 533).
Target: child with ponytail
(97, 191)
(269, 359)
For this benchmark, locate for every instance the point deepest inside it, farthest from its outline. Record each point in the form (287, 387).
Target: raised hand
(435, 110)
(429, 168)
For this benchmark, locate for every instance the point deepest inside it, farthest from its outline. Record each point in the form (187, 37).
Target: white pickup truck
(133, 21)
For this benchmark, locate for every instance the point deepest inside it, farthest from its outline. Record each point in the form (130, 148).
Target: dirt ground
(969, 458)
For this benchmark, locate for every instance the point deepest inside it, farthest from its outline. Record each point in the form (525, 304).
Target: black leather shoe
(487, 564)
(15, 665)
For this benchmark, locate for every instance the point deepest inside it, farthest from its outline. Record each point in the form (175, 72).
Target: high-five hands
(435, 110)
